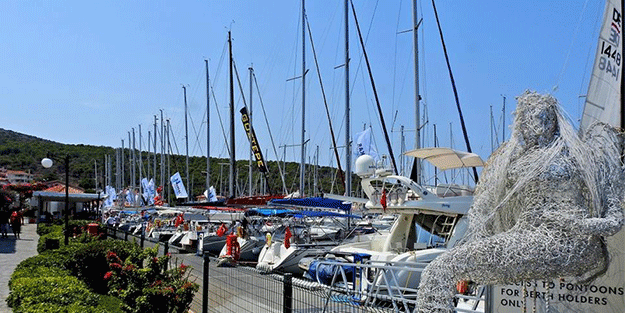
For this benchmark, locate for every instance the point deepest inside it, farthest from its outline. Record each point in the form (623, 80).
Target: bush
(153, 288)
(51, 259)
(89, 262)
(43, 229)
(57, 290)
(37, 271)
(56, 308)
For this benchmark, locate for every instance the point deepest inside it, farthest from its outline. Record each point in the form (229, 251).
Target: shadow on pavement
(7, 245)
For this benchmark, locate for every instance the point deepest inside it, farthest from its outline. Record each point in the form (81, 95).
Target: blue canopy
(316, 202)
(268, 212)
(300, 214)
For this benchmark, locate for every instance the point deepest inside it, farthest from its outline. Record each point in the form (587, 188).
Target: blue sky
(86, 72)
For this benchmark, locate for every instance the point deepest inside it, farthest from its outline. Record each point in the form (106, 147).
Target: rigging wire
(273, 145)
(325, 102)
(568, 53)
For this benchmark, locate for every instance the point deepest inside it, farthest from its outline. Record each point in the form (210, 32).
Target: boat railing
(373, 283)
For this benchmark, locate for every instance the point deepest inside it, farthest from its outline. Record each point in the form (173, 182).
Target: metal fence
(248, 290)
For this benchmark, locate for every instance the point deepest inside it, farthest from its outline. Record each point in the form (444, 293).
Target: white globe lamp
(46, 162)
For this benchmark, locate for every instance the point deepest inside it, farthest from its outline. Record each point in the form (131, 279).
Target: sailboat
(604, 103)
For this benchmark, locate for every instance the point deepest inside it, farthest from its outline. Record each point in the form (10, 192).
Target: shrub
(43, 229)
(57, 290)
(51, 259)
(153, 288)
(57, 308)
(89, 262)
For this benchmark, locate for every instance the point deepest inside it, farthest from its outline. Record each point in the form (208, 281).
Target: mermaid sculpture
(545, 202)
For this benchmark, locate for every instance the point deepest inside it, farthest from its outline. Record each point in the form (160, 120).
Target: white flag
(146, 189)
(363, 144)
(151, 192)
(176, 183)
(111, 196)
(210, 194)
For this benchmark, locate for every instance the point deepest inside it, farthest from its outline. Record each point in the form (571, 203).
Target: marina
(313, 164)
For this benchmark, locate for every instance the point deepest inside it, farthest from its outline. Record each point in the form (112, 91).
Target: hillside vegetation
(23, 152)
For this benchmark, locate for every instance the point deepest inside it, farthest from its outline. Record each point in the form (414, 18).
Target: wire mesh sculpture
(545, 202)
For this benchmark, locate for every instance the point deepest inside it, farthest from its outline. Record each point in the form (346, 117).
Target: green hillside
(23, 152)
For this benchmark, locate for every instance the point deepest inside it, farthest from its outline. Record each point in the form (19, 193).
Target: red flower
(108, 275)
(128, 267)
(115, 265)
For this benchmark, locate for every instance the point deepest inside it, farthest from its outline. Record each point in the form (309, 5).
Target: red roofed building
(15, 177)
(61, 189)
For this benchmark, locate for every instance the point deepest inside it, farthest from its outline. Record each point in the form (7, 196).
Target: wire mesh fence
(248, 290)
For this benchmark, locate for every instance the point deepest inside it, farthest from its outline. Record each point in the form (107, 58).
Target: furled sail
(603, 100)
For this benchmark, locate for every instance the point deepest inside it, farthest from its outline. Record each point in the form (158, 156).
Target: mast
(375, 93)
(325, 102)
(154, 156)
(123, 152)
(140, 163)
(503, 115)
(149, 153)
(163, 180)
(315, 188)
(303, 149)
(186, 139)
(416, 172)
(208, 132)
(249, 113)
(168, 150)
(130, 160)
(134, 163)
(348, 142)
(453, 84)
(232, 154)
(95, 171)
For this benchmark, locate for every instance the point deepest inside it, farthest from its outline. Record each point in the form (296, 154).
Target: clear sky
(87, 72)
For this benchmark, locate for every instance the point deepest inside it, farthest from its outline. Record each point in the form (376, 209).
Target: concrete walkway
(12, 252)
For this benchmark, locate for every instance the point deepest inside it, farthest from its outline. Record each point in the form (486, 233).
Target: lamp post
(47, 163)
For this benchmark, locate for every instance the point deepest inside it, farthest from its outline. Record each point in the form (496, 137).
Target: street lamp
(47, 163)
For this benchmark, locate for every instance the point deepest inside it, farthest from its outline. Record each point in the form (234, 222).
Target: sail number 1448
(608, 54)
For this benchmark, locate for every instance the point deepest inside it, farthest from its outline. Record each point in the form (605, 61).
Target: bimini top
(314, 202)
(445, 158)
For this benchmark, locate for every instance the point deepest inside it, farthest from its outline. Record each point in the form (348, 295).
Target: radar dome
(365, 166)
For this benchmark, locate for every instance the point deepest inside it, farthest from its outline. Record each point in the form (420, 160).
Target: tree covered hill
(23, 152)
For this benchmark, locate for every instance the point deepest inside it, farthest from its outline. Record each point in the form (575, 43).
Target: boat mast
(149, 153)
(140, 164)
(375, 93)
(134, 164)
(133, 169)
(455, 90)
(163, 151)
(232, 154)
(249, 114)
(168, 151)
(154, 156)
(325, 102)
(348, 143)
(95, 172)
(186, 138)
(208, 139)
(416, 172)
(303, 147)
(123, 185)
